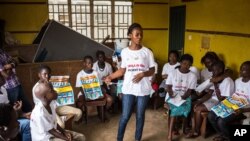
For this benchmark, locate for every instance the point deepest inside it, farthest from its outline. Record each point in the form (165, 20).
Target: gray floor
(155, 128)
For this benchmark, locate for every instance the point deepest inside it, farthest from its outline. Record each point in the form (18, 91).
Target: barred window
(95, 19)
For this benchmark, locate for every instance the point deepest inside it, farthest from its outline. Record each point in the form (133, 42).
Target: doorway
(177, 28)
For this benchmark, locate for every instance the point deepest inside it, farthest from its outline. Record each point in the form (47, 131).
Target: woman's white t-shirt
(135, 62)
(205, 74)
(4, 95)
(83, 74)
(243, 89)
(167, 68)
(102, 73)
(181, 82)
(226, 88)
(195, 71)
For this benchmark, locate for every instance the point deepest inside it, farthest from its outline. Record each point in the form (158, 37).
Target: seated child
(173, 57)
(217, 93)
(88, 76)
(23, 118)
(180, 82)
(102, 68)
(44, 73)
(242, 86)
(43, 123)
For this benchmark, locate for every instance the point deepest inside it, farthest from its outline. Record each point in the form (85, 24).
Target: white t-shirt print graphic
(136, 61)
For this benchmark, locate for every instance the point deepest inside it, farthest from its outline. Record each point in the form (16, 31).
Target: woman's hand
(138, 77)
(7, 66)
(107, 80)
(17, 105)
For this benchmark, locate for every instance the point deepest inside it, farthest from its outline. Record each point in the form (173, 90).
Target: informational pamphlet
(229, 105)
(64, 90)
(176, 100)
(91, 87)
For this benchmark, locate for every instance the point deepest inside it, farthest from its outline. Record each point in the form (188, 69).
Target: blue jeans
(24, 129)
(128, 102)
(15, 94)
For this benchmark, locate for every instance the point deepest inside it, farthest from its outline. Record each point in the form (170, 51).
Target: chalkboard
(60, 43)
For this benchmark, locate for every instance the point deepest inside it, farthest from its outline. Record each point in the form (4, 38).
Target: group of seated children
(45, 122)
(181, 85)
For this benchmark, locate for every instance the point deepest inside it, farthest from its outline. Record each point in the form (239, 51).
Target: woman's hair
(175, 52)
(44, 67)
(219, 64)
(187, 57)
(5, 114)
(88, 57)
(211, 56)
(133, 26)
(100, 52)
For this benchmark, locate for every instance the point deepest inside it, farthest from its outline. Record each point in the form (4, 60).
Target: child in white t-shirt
(218, 92)
(88, 75)
(43, 123)
(44, 73)
(242, 88)
(180, 83)
(173, 57)
(102, 67)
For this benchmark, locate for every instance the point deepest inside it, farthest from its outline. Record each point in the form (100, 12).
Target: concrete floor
(155, 128)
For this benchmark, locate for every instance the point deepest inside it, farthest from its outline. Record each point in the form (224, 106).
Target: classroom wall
(153, 16)
(24, 18)
(224, 17)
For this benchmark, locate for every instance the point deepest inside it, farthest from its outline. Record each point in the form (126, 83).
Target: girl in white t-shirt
(242, 88)
(180, 84)
(208, 59)
(173, 57)
(137, 65)
(218, 92)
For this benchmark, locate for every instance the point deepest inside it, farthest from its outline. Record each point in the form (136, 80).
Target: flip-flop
(192, 135)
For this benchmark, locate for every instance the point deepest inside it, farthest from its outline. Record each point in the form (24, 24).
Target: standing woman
(137, 65)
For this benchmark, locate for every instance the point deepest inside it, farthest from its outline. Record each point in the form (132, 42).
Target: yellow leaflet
(235, 107)
(227, 103)
(92, 85)
(63, 89)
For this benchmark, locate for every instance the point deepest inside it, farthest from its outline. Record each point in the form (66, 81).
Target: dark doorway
(177, 28)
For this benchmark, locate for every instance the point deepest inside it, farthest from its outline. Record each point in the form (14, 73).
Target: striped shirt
(12, 80)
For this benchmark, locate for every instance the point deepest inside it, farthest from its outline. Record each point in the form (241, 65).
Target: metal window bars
(93, 18)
